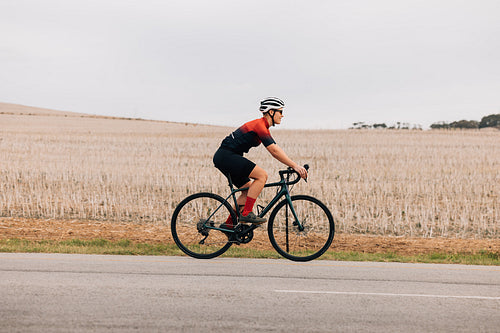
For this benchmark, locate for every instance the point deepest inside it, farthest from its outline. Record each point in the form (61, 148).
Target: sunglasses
(280, 111)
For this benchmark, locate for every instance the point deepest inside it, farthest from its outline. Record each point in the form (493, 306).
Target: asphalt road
(71, 293)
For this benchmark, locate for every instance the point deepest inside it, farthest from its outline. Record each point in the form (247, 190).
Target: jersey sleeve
(264, 134)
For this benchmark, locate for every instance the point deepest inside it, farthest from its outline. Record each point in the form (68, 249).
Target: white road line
(355, 293)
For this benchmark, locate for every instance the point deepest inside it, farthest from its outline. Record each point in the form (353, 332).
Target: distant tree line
(465, 124)
(397, 126)
(493, 120)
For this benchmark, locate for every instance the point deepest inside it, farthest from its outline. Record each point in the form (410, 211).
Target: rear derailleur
(203, 230)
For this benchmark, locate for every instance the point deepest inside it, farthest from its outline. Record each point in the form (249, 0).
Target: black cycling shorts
(237, 166)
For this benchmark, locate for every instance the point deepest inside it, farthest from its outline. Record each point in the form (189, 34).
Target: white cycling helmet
(271, 103)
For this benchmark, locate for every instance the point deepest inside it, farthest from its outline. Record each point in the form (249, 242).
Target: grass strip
(94, 246)
(127, 247)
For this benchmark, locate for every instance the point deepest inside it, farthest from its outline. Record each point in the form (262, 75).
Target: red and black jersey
(249, 135)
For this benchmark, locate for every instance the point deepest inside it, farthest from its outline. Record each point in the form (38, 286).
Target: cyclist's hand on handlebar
(301, 171)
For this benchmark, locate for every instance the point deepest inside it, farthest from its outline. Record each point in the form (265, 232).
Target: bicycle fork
(296, 222)
(289, 205)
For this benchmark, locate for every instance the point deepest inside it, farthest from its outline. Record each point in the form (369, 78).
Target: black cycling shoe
(252, 218)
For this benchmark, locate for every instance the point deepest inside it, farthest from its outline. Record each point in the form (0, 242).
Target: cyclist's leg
(259, 177)
(248, 197)
(241, 171)
(241, 200)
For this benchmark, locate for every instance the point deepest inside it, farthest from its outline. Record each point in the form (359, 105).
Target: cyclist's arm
(281, 156)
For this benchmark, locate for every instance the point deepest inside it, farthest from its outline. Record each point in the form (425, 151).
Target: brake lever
(306, 166)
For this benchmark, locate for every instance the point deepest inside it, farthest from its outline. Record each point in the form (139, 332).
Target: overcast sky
(332, 62)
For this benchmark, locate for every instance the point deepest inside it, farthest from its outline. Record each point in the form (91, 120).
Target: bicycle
(300, 227)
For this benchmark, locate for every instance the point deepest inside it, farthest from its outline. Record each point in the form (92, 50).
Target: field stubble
(398, 183)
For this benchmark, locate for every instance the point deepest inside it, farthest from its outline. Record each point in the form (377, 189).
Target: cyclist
(245, 173)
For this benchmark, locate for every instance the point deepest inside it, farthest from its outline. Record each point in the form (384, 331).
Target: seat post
(230, 181)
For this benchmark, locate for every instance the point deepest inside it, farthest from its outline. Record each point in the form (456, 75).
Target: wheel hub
(202, 226)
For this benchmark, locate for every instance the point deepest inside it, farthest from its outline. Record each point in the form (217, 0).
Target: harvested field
(428, 184)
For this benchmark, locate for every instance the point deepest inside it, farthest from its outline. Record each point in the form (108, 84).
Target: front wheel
(306, 243)
(193, 222)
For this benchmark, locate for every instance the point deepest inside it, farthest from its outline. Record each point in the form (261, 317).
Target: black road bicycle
(300, 227)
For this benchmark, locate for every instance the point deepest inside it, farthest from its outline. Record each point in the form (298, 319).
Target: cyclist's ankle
(248, 206)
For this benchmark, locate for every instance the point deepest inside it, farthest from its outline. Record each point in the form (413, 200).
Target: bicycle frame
(283, 183)
(300, 227)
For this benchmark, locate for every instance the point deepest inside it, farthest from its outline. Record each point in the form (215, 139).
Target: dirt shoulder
(33, 229)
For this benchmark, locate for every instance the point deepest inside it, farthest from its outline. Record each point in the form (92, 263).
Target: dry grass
(377, 182)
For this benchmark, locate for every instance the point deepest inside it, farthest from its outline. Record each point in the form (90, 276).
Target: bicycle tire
(187, 231)
(313, 241)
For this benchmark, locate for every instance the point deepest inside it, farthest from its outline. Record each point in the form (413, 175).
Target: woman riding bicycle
(245, 173)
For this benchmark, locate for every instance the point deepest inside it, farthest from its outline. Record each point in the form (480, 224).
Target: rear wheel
(192, 224)
(310, 242)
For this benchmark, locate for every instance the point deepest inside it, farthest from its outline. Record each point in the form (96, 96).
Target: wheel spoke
(306, 244)
(193, 222)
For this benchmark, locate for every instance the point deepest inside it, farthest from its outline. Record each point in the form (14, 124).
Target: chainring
(244, 233)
